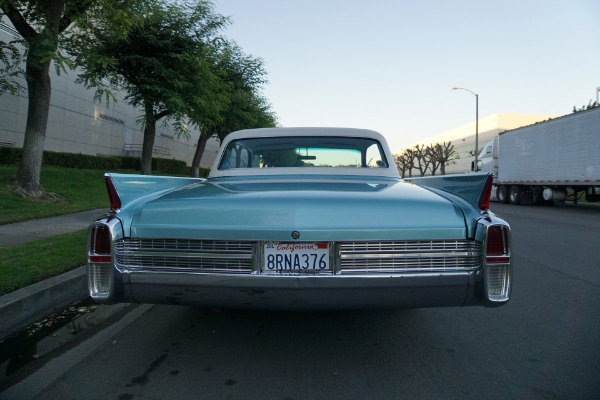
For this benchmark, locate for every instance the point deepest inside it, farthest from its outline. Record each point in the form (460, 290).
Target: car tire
(502, 194)
(515, 195)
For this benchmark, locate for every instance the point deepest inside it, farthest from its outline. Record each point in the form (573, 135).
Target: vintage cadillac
(301, 219)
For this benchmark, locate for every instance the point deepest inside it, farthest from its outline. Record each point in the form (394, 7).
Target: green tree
(165, 65)
(242, 77)
(9, 70)
(42, 26)
(45, 28)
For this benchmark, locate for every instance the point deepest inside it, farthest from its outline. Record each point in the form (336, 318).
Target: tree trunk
(148, 146)
(433, 167)
(205, 134)
(39, 91)
(421, 171)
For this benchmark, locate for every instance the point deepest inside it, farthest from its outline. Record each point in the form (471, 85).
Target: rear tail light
(497, 271)
(497, 247)
(100, 244)
(100, 275)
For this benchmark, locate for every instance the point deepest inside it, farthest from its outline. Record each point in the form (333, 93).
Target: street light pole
(476, 124)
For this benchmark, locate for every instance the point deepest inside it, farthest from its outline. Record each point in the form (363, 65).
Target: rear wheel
(515, 195)
(502, 194)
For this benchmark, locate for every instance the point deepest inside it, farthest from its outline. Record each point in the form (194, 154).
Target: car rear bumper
(298, 292)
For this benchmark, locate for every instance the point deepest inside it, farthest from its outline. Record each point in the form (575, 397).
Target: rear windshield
(303, 151)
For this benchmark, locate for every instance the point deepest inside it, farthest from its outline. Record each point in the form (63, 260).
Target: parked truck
(546, 162)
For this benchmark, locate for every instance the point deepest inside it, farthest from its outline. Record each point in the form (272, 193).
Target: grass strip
(33, 262)
(74, 190)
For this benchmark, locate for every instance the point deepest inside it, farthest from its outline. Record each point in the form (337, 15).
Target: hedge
(12, 155)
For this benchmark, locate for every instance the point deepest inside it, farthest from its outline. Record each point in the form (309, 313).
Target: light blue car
(301, 219)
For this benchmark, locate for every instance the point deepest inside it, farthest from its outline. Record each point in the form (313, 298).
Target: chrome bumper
(300, 292)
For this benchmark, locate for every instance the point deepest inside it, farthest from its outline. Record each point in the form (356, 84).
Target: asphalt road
(543, 345)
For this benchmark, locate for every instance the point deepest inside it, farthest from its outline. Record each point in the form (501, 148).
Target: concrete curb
(25, 306)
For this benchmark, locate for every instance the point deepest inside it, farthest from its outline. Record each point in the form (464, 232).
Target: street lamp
(476, 123)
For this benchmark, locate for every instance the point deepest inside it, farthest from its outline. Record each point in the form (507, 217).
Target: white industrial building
(78, 124)
(463, 137)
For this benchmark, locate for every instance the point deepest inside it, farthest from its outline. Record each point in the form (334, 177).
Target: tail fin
(123, 189)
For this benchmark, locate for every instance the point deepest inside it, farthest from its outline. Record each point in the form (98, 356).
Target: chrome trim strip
(416, 245)
(410, 255)
(291, 281)
(189, 254)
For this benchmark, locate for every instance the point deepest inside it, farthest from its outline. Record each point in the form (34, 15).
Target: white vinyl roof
(390, 171)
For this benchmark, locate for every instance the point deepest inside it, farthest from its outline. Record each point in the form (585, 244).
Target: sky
(391, 65)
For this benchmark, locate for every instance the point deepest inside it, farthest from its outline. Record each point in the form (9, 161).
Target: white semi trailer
(547, 161)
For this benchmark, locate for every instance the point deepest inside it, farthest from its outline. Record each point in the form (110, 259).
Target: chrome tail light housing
(497, 263)
(100, 257)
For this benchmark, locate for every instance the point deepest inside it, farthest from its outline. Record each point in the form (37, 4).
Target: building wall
(78, 124)
(463, 137)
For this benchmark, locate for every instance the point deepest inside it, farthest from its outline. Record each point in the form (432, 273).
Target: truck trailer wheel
(502, 194)
(515, 195)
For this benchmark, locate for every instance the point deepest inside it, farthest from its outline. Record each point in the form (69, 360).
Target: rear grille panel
(183, 255)
(236, 257)
(410, 256)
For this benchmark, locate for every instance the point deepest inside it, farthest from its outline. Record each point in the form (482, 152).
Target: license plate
(282, 257)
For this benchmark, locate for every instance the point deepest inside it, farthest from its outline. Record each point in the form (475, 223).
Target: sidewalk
(25, 306)
(30, 231)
